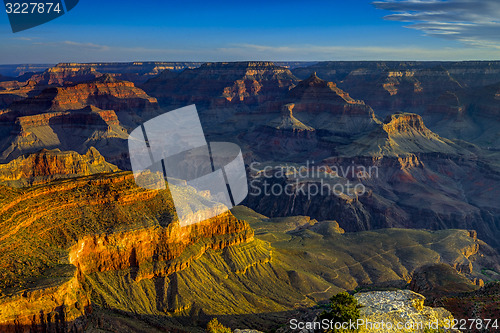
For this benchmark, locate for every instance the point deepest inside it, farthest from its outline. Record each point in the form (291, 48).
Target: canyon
(84, 248)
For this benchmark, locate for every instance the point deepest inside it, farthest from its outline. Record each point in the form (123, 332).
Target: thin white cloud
(72, 51)
(469, 21)
(321, 52)
(74, 45)
(86, 45)
(24, 38)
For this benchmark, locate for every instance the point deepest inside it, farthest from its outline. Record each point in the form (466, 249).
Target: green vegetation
(215, 327)
(320, 263)
(343, 308)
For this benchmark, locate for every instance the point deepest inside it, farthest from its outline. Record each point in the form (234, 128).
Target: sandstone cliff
(223, 84)
(137, 72)
(86, 226)
(48, 165)
(104, 92)
(97, 113)
(61, 75)
(401, 134)
(456, 99)
(76, 130)
(416, 179)
(323, 105)
(97, 247)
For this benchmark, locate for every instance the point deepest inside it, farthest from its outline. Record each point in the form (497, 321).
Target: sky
(293, 30)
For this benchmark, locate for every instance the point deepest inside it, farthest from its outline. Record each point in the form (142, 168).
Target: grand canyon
(84, 249)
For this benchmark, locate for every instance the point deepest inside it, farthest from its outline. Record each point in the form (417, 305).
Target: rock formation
(76, 130)
(95, 255)
(401, 134)
(288, 122)
(61, 75)
(454, 98)
(12, 91)
(323, 105)
(421, 179)
(98, 113)
(402, 307)
(223, 84)
(45, 281)
(48, 165)
(315, 115)
(104, 92)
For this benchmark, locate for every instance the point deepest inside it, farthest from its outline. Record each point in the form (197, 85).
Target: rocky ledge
(400, 311)
(47, 165)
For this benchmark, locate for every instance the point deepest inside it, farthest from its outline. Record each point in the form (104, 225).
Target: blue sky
(234, 30)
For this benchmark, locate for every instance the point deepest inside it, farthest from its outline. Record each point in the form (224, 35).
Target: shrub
(343, 308)
(215, 327)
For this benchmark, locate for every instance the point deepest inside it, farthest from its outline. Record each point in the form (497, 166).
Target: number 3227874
(32, 8)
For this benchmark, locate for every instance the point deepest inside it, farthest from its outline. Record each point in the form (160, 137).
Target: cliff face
(104, 92)
(223, 84)
(12, 91)
(283, 134)
(60, 75)
(314, 88)
(315, 115)
(137, 72)
(48, 165)
(8, 98)
(153, 252)
(323, 105)
(76, 130)
(456, 99)
(98, 113)
(95, 250)
(471, 115)
(390, 86)
(414, 179)
(72, 73)
(401, 193)
(401, 134)
(404, 90)
(404, 123)
(287, 121)
(63, 307)
(86, 226)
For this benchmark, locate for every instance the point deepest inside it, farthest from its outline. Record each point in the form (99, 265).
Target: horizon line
(236, 61)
